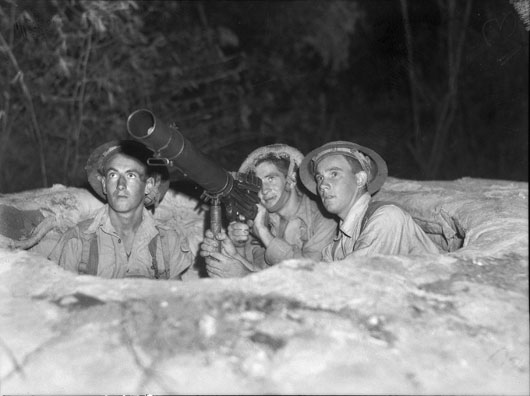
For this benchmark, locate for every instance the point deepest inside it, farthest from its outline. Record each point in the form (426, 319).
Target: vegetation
(438, 87)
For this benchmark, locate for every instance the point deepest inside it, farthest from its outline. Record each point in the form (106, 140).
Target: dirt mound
(452, 323)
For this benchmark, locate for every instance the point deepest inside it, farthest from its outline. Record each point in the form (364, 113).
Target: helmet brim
(278, 149)
(97, 159)
(379, 167)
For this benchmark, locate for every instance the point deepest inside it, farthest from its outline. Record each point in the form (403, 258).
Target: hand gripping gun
(238, 192)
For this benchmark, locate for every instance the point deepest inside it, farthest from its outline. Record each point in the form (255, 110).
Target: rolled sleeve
(323, 233)
(314, 233)
(279, 250)
(255, 254)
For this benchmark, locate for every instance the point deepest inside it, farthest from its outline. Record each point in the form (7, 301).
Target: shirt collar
(274, 218)
(102, 220)
(354, 216)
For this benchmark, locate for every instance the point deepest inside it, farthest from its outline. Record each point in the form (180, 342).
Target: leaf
(96, 21)
(17, 77)
(227, 38)
(62, 65)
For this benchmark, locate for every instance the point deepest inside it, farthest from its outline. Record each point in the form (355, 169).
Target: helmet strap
(281, 202)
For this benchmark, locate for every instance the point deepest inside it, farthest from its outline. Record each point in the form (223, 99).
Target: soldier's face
(125, 183)
(274, 186)
(336, 184)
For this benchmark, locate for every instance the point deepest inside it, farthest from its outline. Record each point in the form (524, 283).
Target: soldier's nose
(323, 184)
(121, 183)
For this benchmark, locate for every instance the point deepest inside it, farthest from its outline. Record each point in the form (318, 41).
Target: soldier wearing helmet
(289, 224)
(345, 175)
(123, 239)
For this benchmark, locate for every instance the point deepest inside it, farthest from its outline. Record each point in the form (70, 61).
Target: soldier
(123, 240)
(289, 224)
(345, 175)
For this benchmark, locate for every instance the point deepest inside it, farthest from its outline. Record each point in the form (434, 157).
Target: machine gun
(238, 192)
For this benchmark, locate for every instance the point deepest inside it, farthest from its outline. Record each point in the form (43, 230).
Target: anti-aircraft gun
(238, 192)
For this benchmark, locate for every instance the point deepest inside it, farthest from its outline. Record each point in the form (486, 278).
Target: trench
(19, 225)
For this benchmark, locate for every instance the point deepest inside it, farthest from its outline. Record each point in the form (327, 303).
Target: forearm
(256, 254)
(265, 236)
(246, 263)
(279, 250)
(251, 255)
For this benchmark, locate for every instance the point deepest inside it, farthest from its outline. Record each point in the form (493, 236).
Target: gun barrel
(170, 146)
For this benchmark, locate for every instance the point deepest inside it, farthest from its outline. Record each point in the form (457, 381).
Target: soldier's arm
(181, 255)
(292, 245)
(324, 230)
(384, 233)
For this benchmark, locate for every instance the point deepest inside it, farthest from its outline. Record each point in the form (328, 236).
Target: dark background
(438, 87)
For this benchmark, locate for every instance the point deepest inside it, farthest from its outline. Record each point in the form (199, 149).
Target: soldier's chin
(269, 204)
(121, 205)
(329, 206)
(268, 207)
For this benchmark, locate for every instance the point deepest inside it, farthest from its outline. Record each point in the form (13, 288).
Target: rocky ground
(452, 323)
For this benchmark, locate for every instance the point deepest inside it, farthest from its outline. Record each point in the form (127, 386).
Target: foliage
(235, 75)
(238, 88)
(65, 56)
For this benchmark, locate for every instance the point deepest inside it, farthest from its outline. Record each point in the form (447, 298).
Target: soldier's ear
(362, 178)
(291, 180)
(149, 184)
(103, 184)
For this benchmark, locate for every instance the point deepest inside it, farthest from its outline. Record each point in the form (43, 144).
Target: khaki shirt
(390, 230)
(304, 235)
(113, 261)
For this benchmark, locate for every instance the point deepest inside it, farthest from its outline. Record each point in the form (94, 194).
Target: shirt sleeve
(67, 252)
(255, 254)
(322, 235)
(279, 250)
(327, 253)
(391, 231)
(182, 257)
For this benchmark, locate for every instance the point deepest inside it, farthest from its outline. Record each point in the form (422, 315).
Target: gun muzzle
(172, 149)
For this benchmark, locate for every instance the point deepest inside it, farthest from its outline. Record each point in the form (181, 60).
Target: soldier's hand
(294, 231)
(219, 265)
(239, 233)
(260, 221)
(210, 244)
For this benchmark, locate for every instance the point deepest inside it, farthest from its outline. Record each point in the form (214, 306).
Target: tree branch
(412, 75)
(25, 90)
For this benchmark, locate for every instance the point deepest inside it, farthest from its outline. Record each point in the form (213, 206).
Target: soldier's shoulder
(175, 238)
